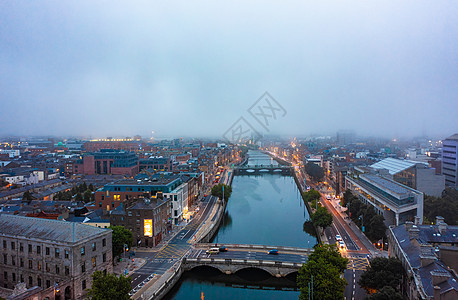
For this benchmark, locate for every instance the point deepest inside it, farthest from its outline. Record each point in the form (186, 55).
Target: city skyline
(180, 70)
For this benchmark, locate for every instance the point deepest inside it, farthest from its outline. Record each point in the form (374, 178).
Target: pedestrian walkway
(128, 266)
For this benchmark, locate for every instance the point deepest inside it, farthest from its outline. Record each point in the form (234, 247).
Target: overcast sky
(192, 68)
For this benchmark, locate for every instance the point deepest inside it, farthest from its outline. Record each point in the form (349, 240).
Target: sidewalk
(129, 265)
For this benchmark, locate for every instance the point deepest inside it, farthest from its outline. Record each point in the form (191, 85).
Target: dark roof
(52, 230)
(453, 137)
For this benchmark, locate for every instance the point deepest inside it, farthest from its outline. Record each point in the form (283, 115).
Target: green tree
(311, 195)
(87, 196)
(385, 293)
(324, 267)
(315, 171)
(109, 286)
(347, 197)
(217, 191)
(120, 236)
(382, 272)
(376, 228)
(91, 187)
(321, 217)
(78, 197)
(445, 206)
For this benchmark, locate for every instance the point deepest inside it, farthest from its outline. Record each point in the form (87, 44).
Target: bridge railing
(297, 250)
(250, 262)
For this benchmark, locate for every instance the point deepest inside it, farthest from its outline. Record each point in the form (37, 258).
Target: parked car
(338, 238)
(223, 249)
(212, 251)
(273, 252)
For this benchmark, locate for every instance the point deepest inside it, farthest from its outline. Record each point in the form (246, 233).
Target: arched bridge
(239, 257)
(230, 266)
(262, 169)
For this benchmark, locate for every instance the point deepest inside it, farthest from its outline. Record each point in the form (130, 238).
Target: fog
(193, 68)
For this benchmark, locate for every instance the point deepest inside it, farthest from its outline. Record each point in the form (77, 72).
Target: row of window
(47, 265)
(31, 282)
(38, 249)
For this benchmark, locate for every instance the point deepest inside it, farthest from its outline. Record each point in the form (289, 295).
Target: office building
(450, 160)
(52, 255)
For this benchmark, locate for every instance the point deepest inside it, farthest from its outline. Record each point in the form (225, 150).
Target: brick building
(148, 219)
(52, 255)
(106, 161)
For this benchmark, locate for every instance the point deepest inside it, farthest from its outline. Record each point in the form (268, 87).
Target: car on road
(273, 252)
(341, 245)
(212, 251)
(328, 197)
(338, 238)
(223, 249)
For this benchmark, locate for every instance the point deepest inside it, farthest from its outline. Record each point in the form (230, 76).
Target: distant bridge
(262, 169)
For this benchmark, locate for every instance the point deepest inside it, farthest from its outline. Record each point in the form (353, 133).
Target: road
(250, 254)
(160, 261)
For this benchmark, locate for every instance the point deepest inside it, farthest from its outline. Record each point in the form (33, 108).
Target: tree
(109, 286)
(217, 191)
(311, 195)
(91, 187)
(27, 196)
(385, 293)
(445, 206)
(120, 236)
(347, 197)
(78, 197)
(321, 217)
(87, 196)
(376, 228)
(315, 171)
(382, 272)
(324, 267)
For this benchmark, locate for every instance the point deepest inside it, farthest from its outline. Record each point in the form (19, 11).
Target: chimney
(414, 232)
(439, 219)
(442, 227)
(437, 293)
(408, 225)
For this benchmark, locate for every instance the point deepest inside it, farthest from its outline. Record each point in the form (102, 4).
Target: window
(30, 281)
(48, 283)
(4, 244)
(104, 242)
(21, 247)
(39, 281)
(30, 264)
(57, 269)
(94, 261)
(13, 260)
(14, 277)
(5, 259)
(94, 246)
(38, 249)
(84, 284)
(83, 268)
(30, 248)
(13, 245)
(21, 262)
(66, 253)
(5, 276)
(39, 266)
(67, 270)
(57, 252)
(82, 251)
(22, 278)
(47, 251)
(104, 257)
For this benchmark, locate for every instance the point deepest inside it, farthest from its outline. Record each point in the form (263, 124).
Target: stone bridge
(230, 266)
(262, 169)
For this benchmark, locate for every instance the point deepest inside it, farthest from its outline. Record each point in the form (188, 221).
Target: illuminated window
(116, 197)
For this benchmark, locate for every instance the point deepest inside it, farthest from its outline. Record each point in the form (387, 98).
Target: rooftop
(453, 137)
(392, 186)
(393, 165)
(52, 230)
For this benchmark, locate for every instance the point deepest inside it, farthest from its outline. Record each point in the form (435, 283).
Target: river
(264, 209)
